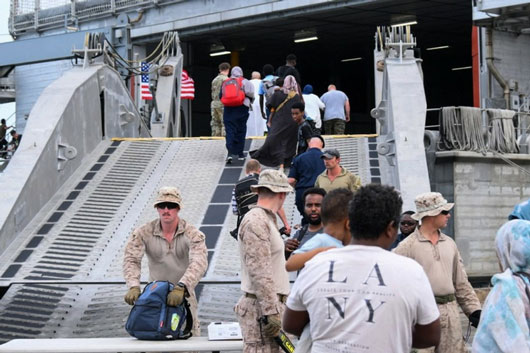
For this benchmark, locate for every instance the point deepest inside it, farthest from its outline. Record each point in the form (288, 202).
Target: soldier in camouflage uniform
(176, 252)
(216, 106)
(264, 280)
(438, 254)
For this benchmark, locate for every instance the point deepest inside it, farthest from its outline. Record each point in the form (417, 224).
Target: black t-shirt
(305, 132)
(285, 70)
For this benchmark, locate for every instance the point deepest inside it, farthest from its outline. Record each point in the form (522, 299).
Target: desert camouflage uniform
(263, 276)
(445, 269)
(217, 107)
(183, 260)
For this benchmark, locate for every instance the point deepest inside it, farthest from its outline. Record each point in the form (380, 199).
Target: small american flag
(145, 94)
(187, 90)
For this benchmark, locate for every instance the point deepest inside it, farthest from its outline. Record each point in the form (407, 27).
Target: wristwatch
(182, 285)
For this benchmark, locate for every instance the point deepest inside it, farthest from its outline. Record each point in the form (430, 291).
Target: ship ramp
(61, 277)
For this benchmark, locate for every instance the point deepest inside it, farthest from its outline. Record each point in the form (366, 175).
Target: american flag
(187, 90)
(145, 94)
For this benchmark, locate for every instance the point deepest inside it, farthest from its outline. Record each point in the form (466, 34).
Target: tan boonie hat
(430, 204)
(274, 180)
(169, 194)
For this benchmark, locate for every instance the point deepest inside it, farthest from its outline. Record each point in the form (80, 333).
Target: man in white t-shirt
(313, 105)
(362, 298)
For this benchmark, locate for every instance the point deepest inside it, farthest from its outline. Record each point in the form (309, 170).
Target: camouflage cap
(168, 194)
(274, 180)
(330, 153)
(430, 204)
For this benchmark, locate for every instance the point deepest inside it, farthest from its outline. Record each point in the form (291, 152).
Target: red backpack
(232, 92)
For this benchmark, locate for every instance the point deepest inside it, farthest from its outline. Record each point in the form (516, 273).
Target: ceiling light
(307, 39)
(219, 53)
(461, 68)
(438, 48)
(305, 35)
(410, 23)
(351, 59)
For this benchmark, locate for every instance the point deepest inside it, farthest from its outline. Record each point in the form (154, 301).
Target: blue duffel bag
(152, 319)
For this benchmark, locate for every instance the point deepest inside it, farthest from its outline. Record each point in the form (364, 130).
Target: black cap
(330, 153)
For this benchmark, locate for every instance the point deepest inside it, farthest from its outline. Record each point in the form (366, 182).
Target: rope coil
(462, 129)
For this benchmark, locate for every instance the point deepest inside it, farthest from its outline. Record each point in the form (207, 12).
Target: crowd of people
(275, 105)
(370, 277)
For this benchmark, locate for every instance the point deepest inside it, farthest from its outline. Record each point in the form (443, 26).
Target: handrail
(117, 344)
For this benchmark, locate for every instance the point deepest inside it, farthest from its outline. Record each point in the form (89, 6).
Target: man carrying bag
(176, 252)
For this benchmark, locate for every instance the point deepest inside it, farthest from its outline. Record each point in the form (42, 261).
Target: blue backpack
(152, 319)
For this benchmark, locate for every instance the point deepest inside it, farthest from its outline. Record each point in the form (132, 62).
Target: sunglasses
(168, 205)
(445, 213)
(407, 223)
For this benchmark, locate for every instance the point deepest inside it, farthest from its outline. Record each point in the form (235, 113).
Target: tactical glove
(132, 295)
(272, 326)
(176, 296)
(474, 318)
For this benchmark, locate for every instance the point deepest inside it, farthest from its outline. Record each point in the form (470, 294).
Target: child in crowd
(334, 213)
(336, 234)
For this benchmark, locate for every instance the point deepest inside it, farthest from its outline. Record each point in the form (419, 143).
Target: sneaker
(229, 160)
(241, 157)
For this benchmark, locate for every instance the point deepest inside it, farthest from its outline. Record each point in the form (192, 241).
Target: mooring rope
(502, 135)
(462, 129)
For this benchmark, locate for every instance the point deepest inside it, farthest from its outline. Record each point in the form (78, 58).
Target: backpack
(313, 125)
(268, 87)
(152, 319)
(232, 92)
(244, 198)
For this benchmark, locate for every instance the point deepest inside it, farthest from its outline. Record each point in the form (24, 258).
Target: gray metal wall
(512, 58)
(31, 80)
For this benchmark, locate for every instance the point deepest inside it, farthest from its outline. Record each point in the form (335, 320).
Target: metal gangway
(62, 273)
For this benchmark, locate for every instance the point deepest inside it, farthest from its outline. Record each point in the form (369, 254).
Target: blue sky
(4, 13)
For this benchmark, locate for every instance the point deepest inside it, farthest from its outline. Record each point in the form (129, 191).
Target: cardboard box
(224, 331)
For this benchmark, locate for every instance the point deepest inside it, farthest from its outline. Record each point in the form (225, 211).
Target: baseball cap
(330, 153)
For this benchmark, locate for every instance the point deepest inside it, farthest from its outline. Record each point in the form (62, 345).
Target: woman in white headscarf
(504, 324)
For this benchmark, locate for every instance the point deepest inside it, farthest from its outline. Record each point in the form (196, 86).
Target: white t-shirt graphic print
(363, 299)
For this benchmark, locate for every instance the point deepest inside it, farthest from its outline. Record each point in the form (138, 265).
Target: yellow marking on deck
(198, 138)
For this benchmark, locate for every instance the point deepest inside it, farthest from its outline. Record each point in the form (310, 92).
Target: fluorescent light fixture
(461, 68)
(219, 53)
(438, 48)
(307, 39)
(351, 59)
(410, 23)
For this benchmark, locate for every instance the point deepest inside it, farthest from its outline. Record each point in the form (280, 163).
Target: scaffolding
(38, 15)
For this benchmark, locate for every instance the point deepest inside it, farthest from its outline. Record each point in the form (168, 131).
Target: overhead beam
(198, 22)
(45, 48)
